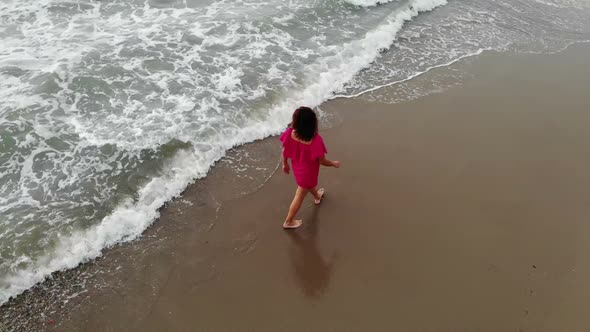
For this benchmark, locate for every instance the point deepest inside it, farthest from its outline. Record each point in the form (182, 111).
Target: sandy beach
(464, 210)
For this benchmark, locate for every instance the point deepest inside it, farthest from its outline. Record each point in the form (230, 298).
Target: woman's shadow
(311, 270)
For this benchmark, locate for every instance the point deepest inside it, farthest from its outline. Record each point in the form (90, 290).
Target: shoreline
(129, 134)
(245, 146)
(221, 247)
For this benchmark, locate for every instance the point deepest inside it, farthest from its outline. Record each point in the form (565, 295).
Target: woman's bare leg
(294, 208)
(318, 194)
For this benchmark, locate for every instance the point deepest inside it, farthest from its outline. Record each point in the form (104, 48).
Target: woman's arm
(329, 163)
(286, 168)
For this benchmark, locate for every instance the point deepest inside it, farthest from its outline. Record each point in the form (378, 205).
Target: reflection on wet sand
(312, 271)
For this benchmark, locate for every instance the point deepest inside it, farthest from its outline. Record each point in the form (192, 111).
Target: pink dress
(305, 158)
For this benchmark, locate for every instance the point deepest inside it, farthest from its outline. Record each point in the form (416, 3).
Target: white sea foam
(330, 74)
(564, 3)
(129, 220)
(367, 3)
(411, 77)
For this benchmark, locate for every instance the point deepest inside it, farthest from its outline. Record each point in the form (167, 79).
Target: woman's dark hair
(305, 123)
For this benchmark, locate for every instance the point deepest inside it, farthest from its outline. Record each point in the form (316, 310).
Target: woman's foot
(293, 224)
(321, 192)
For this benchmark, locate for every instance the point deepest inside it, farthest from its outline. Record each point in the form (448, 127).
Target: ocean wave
(330, 71)
(367, 3)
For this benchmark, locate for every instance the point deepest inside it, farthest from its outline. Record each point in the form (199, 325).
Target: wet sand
(465, 210)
